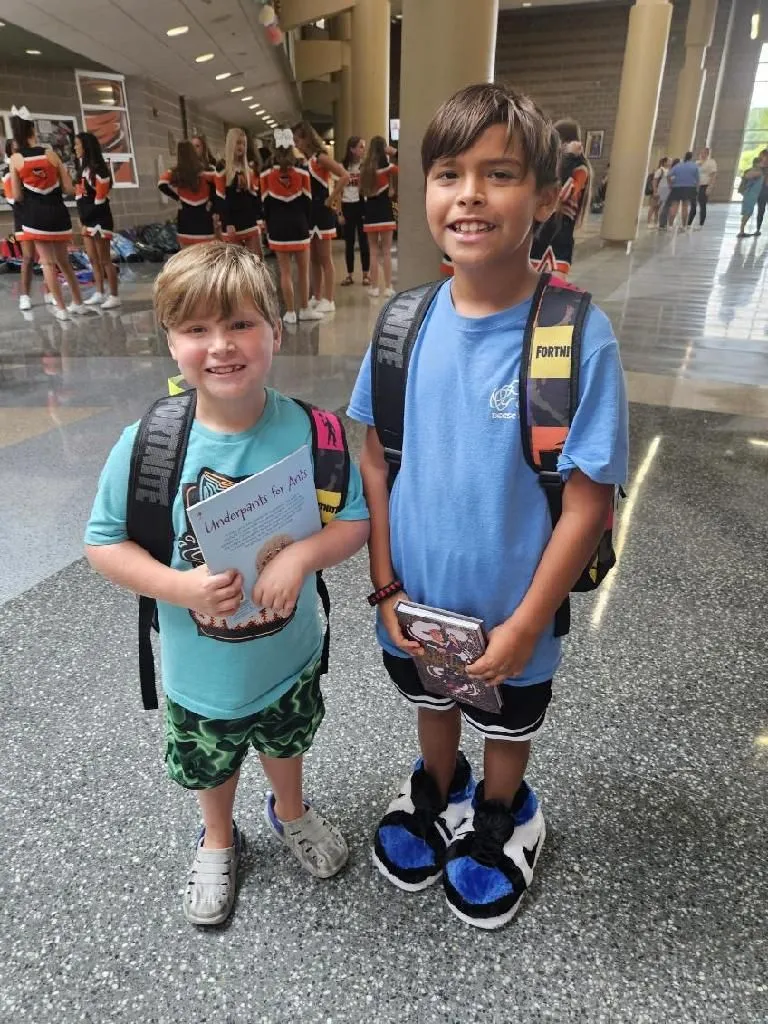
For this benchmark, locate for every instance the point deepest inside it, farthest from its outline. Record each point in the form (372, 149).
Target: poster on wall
(58, 133)
(594, 144)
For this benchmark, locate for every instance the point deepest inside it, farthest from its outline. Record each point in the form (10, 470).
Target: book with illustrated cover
(450, 643)
(245, 525)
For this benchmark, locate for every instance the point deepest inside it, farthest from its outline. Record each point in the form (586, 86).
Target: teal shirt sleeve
(355, 507)
(107, 522)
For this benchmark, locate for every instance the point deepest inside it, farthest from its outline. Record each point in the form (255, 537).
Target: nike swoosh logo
(530, 855)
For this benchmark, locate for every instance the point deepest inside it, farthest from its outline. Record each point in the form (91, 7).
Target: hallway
(649, 904)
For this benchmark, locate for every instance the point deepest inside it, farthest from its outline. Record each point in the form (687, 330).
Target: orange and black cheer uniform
(378, 212)
(92, 195)
(17, 208)
(241, 206)
(194, 221)
(287, 198)
(322, 222)
(552, 248)
(44, 216)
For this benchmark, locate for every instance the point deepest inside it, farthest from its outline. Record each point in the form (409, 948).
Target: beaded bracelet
(381, 595)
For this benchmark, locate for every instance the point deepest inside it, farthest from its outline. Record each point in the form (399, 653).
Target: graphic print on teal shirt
(213, 676)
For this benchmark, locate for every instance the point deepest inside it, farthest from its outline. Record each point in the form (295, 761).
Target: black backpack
(548, 389)
(649, 184)
(157, 460)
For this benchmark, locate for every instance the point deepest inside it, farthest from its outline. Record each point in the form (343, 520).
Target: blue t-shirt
(685, 175)
(207, 668)
(468, 518)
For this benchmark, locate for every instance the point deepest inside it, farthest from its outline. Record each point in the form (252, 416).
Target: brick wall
(155, 115)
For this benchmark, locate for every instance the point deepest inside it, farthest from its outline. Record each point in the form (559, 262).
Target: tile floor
(650, 901)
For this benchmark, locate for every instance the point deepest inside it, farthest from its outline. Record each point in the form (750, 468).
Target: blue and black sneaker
(412, 837)
(490, 863)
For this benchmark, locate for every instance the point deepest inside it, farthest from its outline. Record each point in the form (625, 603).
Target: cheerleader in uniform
(322, 169)
(194, 188)
(287, 197)
(378, 183)
(39, 179)
(238, 183)
(552, 248)
(92, 187)
(352, 211)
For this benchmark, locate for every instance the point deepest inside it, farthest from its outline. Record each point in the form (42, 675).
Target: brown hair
(285, 158)
(570, 131)
(375, 158)
(208, 160)
(306, 133)
(463, 118)
(213, 279)
(21, 129)
(188, 167)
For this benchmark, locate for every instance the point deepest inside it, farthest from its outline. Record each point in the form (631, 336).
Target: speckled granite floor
(651, 894)
(650, 901)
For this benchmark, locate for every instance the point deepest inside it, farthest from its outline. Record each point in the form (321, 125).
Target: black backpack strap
(549, 389)
(156, 462)
(393, 339)
(331, 462)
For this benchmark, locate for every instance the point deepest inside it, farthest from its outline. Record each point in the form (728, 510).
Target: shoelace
(426, 802)
(493, 825)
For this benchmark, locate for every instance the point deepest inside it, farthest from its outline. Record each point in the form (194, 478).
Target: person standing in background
(762, 199)
(378, 186)
(684, 179)
(707, 175)
(659, 177)
(750, 187)
(552, 248)
(92, 188)
(242, 211)
(352, 211)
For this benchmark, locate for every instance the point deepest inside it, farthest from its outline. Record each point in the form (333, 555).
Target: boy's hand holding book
(510, 648)
(281, 580)
(218, 594)
(391, 623)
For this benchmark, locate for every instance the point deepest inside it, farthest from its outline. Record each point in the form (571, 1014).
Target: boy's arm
(510, 645)
(130, 566)
(375, 472)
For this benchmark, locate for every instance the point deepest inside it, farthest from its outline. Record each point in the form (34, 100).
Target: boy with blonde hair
(227, 689)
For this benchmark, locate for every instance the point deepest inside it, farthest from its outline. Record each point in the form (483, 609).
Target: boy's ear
(547, 203)
(169, 339)
(277, 337)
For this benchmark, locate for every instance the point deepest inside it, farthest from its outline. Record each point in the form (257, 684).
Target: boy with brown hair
(467, 526)
(230, 687)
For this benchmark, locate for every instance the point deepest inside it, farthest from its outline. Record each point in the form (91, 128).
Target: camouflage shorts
(201, 753)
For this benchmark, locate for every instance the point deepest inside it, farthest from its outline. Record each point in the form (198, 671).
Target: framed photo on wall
(593, 143)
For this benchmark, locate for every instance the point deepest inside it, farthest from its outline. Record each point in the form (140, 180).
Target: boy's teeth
(466, 227)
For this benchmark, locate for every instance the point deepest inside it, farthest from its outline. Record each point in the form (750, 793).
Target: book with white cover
(244, 526)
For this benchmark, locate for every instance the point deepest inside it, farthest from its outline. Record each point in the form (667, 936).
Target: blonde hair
(231, 163)
(213, 279)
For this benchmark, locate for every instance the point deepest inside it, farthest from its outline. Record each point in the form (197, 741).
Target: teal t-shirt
(207, 668)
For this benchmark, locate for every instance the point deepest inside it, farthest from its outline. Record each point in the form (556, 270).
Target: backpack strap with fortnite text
(549, 396)
(156, 464)
(394, 336)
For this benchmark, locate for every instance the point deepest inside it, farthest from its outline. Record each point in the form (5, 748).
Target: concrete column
(341, 28)
(444, 48)
(370, 68)
(644, 57)
(690, 81)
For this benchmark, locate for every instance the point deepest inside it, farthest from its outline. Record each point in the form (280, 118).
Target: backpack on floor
(548, 389)
(156, 464)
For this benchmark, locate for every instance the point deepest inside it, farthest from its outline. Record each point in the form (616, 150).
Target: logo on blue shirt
(501, 400)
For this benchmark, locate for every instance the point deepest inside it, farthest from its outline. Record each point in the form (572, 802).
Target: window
(756, 131)
(105, 113)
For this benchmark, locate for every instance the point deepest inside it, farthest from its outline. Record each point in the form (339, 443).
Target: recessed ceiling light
(2, 24)
(223, 75)
(244, 99)
(253, 106)
(178, 31)
(258, 109)
(204, 57)
(33, 53)
(526, 5)
(237, 88)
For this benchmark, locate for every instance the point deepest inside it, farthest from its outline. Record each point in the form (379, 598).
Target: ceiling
(129, 36)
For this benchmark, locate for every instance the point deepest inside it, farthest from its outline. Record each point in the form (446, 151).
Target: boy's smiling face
(225, 359)
(482, 204)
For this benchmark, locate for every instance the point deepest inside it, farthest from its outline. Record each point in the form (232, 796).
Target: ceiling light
(2, 24)
(244, 99)
(259, 110)
(253, 106)
(223, 75)
(178, 31)
(526, 5)
(33, 53)
(204, 57)
(237, 88)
